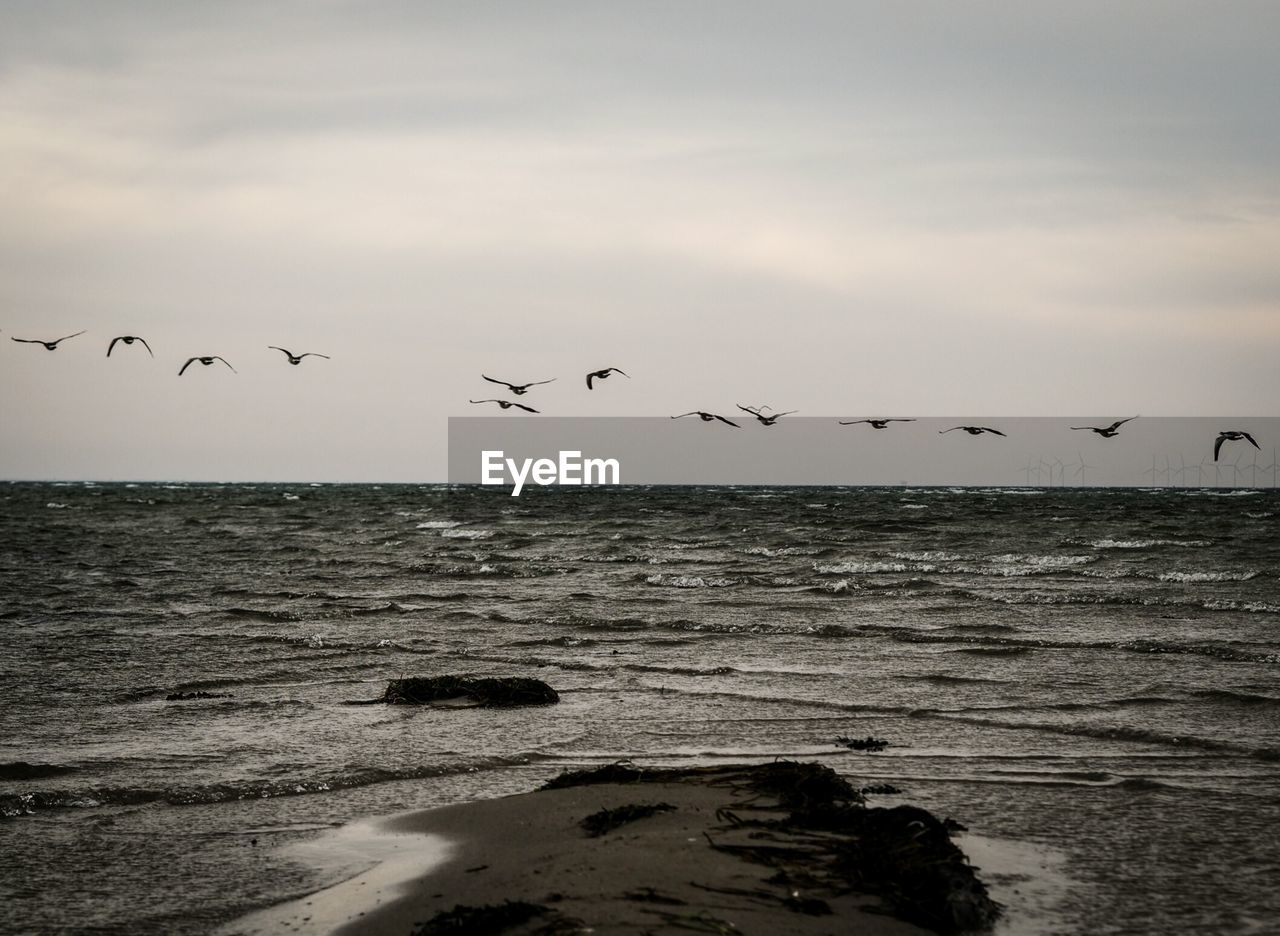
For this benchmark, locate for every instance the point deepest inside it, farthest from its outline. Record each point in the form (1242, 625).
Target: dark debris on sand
(485, 691)
(509, 917)
(904, 855)
(606, 820)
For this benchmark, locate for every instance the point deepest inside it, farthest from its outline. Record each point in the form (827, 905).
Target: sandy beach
(774, 848)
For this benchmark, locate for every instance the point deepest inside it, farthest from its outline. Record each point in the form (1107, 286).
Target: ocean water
(1094, 671)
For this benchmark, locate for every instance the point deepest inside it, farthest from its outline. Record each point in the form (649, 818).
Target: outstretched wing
(1251, 442)
(186, 365)
(853, 422)
(1118, 423)
(278, 348)
(535, 383)
(65, 337)
(225, 361)
(503, 382)
(27, 340)
(313, 354)
(145, 345)
(1217, 445)
(112, 345)
(728, 422)
(995, 431)
(528, 409)
(683, 415)
(952, 429)
(748, 409)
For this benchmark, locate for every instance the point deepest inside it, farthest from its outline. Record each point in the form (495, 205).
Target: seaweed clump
(863, 744)
(486, 691)
(495, 919)
(606, 820)
(904, 855)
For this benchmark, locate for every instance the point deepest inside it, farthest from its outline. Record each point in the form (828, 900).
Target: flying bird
(129, 339)
(206, 361)
(876, 423)
(507, 404)
(49, 345)
(1107, 431)
(707, 417)
(517, 389)
(1231, 435)
(972, 430)
(297, 358)
(602, 374)
(764, 420)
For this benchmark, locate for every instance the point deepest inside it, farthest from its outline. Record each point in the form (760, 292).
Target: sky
(849, 209)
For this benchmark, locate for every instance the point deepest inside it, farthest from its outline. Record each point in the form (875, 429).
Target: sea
(1092, 672)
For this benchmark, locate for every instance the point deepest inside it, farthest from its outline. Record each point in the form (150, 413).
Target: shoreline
(758, 848)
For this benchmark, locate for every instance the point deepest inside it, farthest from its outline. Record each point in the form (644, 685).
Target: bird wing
(313, 354)
(683, 415)
(619, 370)
(186, 365)
(65, 337)
(1217, 445)
(952, 429)
(853, 422)
(996, 431)
(112, 345)
(278, 348)
(1085, 427)
(786, 413)
(747, 409)
(225, 361)
(535, 383)
(27, 340)
(503, 382)
(729, 421)
(589, 376)
(484, 401)
(1250, 438)
(529, 409)
(145, 345)
(1120, 422)
(901, 419)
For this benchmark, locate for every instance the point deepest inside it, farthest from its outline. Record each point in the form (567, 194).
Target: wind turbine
(1081, 468)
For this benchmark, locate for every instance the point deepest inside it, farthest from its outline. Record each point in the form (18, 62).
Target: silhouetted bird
(765, 420)
(876, 423)
(507, 404)
(129, 339)
(1231, 435)
(517, 389)
(972, 430)
(707, 417)
(50, 345)
(1106, 431)
(602, 374)
(297, 358)
(206, 361)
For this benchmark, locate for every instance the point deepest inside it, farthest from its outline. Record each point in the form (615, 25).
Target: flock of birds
(205, 359)
(520, 389)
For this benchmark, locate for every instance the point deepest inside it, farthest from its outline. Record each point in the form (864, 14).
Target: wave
(1207, 576)
(1114, 733)
(21, 770)
(1145, 543)
(690, 581)
(24, 804)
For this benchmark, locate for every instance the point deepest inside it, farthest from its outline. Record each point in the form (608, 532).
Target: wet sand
(729, 850)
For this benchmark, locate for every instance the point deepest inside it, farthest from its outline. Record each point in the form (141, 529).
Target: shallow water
(1092, 670)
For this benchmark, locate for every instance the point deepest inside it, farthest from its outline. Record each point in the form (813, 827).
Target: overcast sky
(917, 208)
